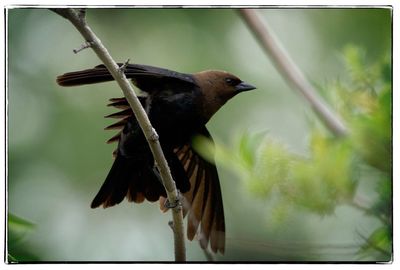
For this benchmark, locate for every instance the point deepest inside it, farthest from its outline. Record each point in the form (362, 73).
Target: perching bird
(178, 105)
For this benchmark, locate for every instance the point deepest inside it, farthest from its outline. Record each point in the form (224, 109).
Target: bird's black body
(178, 105)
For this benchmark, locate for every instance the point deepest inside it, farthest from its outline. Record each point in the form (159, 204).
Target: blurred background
(58, 158)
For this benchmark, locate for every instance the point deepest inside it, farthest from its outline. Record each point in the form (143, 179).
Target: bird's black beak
(241, 87)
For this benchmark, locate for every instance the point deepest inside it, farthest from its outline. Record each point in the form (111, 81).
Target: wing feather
(203, 202)
(147, 78)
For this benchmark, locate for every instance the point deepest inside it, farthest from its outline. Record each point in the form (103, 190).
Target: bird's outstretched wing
(146, 78)
(203, 202)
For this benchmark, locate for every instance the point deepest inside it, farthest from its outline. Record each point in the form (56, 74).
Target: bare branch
(290, 71)
(82, 13)
(78, 20)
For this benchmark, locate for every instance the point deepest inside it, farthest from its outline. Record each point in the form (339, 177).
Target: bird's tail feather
(88, 76)
(130, 179)
(100, 74)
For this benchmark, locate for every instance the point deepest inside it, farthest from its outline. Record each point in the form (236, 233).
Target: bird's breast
(176, 117)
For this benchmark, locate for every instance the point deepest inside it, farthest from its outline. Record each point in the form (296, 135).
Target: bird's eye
(232, 81)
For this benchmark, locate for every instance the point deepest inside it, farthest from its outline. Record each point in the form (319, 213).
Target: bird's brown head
(217, 88)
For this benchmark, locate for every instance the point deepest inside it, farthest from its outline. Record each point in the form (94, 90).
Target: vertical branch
(290, 71)
(79, 21)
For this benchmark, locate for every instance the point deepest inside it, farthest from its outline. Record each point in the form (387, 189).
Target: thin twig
(82, 47)
(124, 65)
(79, 21)
(290, 71)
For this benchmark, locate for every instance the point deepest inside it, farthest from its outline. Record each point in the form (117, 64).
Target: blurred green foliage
(18, 228)
(331, 171)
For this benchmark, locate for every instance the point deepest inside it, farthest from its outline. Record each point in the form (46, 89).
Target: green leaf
(382, 206)
(15, 221)
(248, 146)
(11, 259)
(371, 134)
(17, 228)
(271, 168)
(205, 147)
(379, 241)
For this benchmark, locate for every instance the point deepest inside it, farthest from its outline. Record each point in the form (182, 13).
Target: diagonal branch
(290, 71)
(77, 18)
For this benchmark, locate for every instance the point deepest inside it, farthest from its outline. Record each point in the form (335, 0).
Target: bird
(178, 105)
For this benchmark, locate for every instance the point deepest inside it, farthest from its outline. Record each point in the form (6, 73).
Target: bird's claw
(174, 204)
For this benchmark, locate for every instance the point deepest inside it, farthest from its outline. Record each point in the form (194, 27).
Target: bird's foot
(175, 203)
